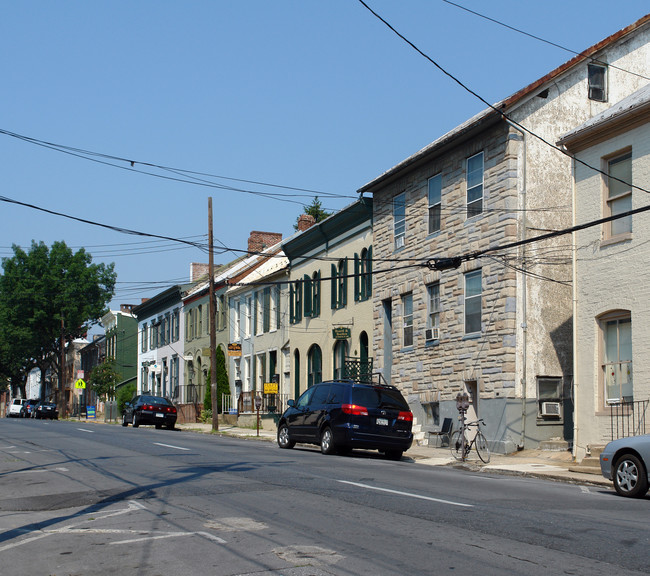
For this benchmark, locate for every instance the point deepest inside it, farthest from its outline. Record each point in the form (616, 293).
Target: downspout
(524, 291)
(574, 383)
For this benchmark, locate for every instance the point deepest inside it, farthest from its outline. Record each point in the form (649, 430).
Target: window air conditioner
(550, 409)
(431, 334)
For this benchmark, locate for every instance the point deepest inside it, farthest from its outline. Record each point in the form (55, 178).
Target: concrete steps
(590, 464)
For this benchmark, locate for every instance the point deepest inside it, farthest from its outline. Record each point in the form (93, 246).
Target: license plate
(382, 422)
(159, 415)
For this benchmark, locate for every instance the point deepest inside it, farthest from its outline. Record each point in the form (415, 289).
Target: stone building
(470, 305)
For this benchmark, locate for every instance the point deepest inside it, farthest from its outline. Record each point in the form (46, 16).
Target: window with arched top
(340, 354)
(616, 357)
(314, 365)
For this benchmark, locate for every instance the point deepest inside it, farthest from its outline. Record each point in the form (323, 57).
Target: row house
(160, 344)
(258, 331)
(330, 316)
(196, 305)
(611, 313)
(464, 304)
(121, 337)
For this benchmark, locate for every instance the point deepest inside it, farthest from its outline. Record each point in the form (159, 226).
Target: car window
(337, 392)
(379, 397)
(321, 392)
(303, 401)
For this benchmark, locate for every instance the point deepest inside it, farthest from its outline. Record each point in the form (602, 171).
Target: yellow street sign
(80, 384)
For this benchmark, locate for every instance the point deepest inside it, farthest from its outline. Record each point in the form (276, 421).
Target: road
(78, 498)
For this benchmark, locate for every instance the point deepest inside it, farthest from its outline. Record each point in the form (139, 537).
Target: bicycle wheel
(456, 445)
(482, 447)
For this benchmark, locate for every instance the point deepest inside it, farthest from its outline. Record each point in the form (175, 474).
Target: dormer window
(597, 80)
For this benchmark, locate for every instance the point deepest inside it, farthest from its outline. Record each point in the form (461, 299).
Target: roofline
(494, 114)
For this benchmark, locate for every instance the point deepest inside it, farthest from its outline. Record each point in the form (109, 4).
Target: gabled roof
(493, 115)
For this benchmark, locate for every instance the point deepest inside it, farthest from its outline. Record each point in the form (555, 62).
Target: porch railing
(628, 418)
(271, 403)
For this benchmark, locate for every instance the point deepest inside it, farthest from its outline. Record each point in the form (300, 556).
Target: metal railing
(628, 418)
(271, 403)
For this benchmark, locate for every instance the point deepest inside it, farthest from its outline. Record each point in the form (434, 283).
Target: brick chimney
(258, 241)
(305, 221)
(197, 270)
(126, 308)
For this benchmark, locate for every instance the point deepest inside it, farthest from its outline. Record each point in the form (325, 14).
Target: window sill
(472, 336)
(627, 237)
(407, 349)
(431, 343)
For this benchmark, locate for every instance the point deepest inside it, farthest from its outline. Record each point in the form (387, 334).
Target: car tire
(327, 445)
(284, 440)
(630, 477)
(124, 422)
(394, 454)
(158, 426)
(135, 420)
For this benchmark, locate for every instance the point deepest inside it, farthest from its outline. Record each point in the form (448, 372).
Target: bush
(206, 415)
(124, 395)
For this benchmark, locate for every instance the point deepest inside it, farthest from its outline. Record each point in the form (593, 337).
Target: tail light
(405, 416)
(354, 410)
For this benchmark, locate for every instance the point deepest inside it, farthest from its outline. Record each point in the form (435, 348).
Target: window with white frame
(616, 353)
(435, 203)
(475, 185)
(266, 310)
(236, 321)
(433, 311)
(407, 319)
(597, 82)
(473, 293)
(176, 321)
(199, 330)
(619, 194)
(248, 320)
(246, 374)
(173, 381)
(259, 312)
(399, 220)
(275, 308)
(145, 338)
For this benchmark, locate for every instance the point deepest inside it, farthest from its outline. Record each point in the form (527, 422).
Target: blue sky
(315, 95)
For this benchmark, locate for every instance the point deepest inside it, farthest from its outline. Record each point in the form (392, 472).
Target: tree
(103, 379)
(125, 394)
(223, 386)
(49, 295)
(314, 209)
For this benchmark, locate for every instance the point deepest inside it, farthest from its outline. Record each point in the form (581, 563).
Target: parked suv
(342, 415)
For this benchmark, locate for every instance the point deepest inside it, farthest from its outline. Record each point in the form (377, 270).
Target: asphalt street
(95, 499)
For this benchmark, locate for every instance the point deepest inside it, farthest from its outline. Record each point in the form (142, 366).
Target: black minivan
(342, 415)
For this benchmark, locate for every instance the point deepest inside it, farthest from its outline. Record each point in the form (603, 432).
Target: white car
(626, 462)
(14, 407)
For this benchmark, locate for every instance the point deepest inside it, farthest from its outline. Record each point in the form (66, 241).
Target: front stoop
(589, 464)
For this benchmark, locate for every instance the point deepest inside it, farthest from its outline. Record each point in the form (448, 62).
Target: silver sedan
(625, 461)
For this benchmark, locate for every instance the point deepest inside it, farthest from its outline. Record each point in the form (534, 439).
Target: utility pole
(213, 325)
(62, 370)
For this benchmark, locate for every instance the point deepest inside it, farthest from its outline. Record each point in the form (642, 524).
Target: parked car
(342, 415)
(145, 409)
(15, 408)
(28, 409)
(625, 461)
(46, 410)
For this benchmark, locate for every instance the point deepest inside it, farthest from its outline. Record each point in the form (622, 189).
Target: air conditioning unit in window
(399, 242)
(431, 334)
(550, 409)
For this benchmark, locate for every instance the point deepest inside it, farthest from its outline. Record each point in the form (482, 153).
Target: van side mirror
(291, 403)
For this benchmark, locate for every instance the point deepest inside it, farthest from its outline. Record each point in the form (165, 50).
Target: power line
(518, 30)
(493, 107)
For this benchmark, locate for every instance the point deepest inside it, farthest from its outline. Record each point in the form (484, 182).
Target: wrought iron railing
(628, 418)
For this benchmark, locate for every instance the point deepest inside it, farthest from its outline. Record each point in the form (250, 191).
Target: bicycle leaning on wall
(459, 444)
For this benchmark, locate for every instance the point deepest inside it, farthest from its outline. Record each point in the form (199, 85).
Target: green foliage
(223, 386)
(44, 293)
(206, 415)
(124, 395)
(103, 379)
(314, 209)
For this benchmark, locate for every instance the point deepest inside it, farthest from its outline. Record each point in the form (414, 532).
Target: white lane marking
(41, 470)
(170, 446)
(170, 535)
(26, 541)
(410, 495)
(84, 430)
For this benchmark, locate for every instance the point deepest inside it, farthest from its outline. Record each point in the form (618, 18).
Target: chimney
(305, 221)
(197, 270)
(143, 300)
(126, 308)
(258, 241)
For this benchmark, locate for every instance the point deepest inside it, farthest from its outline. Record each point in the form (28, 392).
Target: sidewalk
(531, 463)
